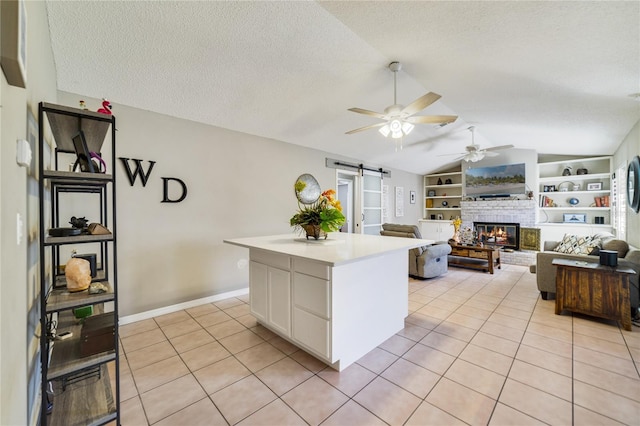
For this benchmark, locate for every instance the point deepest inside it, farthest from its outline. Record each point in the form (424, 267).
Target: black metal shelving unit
(76, 390)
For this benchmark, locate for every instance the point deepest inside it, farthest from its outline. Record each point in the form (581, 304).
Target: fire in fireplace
(505, 235)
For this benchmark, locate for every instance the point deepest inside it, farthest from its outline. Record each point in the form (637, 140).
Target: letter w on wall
(139, 170)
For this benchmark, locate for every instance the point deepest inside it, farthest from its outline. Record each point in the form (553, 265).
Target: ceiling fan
(474, 153)
(399, 120)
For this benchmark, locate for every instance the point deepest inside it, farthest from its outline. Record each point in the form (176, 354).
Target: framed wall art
(412, 197)
(530, 239)
(13, 46)
(594, 186)
(399, 201)
(633, 184)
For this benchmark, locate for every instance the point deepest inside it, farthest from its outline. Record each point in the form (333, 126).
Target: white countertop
(339, 248)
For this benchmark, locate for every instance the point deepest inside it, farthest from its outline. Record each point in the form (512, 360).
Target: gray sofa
(546, 272)
(424, 262)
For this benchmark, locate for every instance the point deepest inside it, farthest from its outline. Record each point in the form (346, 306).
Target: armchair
(426, 261)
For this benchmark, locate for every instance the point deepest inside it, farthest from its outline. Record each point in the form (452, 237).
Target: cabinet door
(438, 231)
(258, 282)
(430, 230)
(279, 305)
(446, 231)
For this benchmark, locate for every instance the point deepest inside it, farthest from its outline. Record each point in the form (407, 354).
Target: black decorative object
(448, 182)
(79, 222)
(582, 171)
(64, 232)
(609, 257)
(633, 184)
(91, 258)
(566, 171)
(439, 181)
(165, 193)
(84, 156)
(445, 204)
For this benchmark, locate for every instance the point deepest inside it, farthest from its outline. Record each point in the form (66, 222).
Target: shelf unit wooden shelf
(76, 389)
(586, 181)
(442, 195)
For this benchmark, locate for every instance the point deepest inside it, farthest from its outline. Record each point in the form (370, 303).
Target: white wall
(18, 305)
(238, 185)
(629, 148)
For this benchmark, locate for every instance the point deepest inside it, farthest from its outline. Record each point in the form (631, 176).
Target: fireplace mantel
(511, 211)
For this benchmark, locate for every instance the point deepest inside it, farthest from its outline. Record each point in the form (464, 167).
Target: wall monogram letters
(144, 177)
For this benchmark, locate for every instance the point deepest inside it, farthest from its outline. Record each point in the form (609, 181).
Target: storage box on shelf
(575, 193)
(442, 195)
(80, 378)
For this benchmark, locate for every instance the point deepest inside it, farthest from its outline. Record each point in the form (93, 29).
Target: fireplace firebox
(506, 235)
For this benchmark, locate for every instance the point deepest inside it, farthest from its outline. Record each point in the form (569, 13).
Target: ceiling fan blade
(372, 126)
(455, 153)
(431, 119)
(496, 148)
(367, 112)
(420, 103)
(488, 153)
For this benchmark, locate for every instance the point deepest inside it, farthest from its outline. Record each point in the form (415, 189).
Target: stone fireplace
(503, 211)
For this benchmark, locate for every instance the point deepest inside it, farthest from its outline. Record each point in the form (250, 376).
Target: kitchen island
(337, 298)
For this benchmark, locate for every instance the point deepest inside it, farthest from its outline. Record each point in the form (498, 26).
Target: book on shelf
(546, 201)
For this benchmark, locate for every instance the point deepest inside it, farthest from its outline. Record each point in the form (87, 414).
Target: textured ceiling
(551, 76)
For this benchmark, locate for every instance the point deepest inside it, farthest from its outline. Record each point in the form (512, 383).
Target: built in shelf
(571, 178)
(590, 225)
(576, 209)
(445, 185)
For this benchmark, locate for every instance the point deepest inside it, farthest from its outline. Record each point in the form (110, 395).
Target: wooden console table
(593, 289)
(476, 257)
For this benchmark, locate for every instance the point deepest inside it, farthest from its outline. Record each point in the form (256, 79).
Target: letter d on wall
(165, 197)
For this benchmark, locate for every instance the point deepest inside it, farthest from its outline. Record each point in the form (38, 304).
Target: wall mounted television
(495, 181)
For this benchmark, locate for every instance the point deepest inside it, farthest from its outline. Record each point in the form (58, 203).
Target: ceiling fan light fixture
(399, 119)
(396, 129)
(474, 157)
(395, 125)
(407, 127)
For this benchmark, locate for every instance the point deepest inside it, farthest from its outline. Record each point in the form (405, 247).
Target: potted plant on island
(320, 217)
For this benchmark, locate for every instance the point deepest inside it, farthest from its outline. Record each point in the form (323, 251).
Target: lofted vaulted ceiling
(553, 76)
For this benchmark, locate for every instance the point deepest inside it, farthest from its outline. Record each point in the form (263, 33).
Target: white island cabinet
(337, 298)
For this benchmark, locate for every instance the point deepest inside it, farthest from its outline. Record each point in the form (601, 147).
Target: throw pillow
(617, 245)
(574, 244)
(566, 244)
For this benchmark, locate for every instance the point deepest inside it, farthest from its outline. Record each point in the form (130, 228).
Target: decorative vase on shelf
(456, 234)
(314, 231)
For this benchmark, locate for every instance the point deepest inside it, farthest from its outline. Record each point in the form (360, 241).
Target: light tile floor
(476, 349)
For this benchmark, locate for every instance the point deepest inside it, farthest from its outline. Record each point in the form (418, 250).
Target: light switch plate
(23, 153)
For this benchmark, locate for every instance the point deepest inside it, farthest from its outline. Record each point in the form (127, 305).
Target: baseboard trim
(180, 306)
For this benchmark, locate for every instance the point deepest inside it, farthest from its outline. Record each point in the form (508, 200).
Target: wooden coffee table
(475, 257)
(593, 289)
